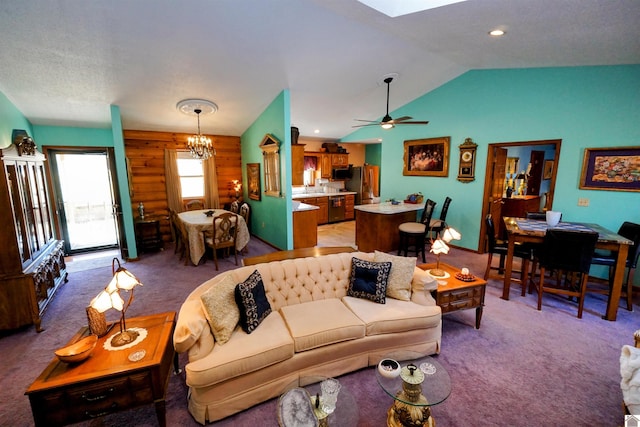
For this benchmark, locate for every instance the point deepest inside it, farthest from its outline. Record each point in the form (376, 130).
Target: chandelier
(199, 145)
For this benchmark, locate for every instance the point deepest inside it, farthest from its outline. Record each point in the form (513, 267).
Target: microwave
(341, 173)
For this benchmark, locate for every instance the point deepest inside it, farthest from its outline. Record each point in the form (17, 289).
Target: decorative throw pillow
(252, 302)
(399, 284)
(369, 280)
(220, 309)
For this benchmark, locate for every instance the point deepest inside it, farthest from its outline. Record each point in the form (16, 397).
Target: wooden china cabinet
(32, 265)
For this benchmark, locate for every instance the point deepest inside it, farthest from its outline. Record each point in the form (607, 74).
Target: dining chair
(500, 247)
(631, 231)
(567, 254)
(194, 205)
(235, 206)
(416, 232)
(184, 235)
(224, 235)
(436, 225)
(245, 213)
(175, 231)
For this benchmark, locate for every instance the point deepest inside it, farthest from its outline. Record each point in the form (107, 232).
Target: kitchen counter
(389, 209)
(377, 225)
(304, 207)
(336, 193)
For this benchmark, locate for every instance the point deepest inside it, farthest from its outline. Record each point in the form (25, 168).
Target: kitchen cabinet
(297, 164)
(340, 160)
(32, 266)
(517, 207)
(325, 162)
(305, 229)
(322, 203)
(349, 202)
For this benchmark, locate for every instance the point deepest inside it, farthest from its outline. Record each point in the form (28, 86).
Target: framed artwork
(253, 178)
(270, 147)
(427, 157)
(547, 169)
(614, 168)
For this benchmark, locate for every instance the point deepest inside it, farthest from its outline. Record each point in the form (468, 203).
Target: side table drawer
(460, 295)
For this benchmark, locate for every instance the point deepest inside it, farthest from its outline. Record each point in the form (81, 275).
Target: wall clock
(466, 170)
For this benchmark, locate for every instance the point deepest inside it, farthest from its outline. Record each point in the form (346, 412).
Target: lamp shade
(105, 300)
(439, 247)
(450, 234)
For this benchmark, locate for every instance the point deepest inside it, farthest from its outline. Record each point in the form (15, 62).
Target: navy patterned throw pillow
(252, 302)
(369, 280)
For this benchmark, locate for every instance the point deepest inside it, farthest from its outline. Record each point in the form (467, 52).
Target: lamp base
(436, 272)
(124, 337)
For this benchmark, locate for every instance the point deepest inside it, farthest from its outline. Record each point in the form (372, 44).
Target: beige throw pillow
(399, 283)
(221, 310)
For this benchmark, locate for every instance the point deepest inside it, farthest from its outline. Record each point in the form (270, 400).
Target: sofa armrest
(420, 285)
(190, 326)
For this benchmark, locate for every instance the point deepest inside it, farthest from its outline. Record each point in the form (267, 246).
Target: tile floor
(337, 234)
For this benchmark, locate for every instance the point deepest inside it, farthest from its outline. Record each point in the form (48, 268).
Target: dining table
(524, 230)
(198, 224)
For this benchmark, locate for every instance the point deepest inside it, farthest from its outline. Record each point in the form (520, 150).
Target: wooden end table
(456, 294)
(108, 381)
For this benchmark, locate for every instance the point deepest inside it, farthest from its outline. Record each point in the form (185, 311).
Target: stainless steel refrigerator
(365, 181)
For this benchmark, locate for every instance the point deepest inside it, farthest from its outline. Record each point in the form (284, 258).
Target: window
(191, 175)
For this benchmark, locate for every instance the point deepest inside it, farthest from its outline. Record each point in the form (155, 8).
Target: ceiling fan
(387, 122)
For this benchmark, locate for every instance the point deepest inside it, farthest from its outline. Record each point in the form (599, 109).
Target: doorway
(86, 203)
(500, 167)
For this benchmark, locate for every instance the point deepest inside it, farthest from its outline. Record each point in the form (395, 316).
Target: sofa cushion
(252, 302)
(220, 308)
(394, 316)
(369, 280)
(243, 353)
(319, 323)
(399, 283)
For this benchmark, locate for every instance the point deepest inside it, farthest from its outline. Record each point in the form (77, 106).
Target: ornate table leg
(406, 415)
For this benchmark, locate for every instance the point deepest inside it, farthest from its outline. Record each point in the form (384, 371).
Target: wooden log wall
(145, 157)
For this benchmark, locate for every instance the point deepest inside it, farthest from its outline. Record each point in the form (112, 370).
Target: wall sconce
(110, 298)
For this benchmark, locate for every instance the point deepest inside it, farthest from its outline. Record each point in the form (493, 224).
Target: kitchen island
(305, 225)
(377, 225)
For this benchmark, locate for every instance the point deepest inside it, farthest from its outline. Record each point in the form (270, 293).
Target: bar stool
(416, 232)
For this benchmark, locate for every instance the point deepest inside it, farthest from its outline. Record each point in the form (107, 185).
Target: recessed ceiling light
(497, 33)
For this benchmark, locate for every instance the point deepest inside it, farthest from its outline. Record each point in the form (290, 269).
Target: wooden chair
(194, 205)
(245, 213)
(224, 235)
(631, 231)
(436, 225)
(416, 232)
(500, 247)
(175, 231)
(568, 255)
(184, 236)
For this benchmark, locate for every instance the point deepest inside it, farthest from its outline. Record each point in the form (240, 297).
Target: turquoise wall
(272, 216)
(11, 118)
(582, 106)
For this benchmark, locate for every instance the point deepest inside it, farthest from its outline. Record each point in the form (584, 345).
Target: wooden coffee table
(108, 381)
(455, 295)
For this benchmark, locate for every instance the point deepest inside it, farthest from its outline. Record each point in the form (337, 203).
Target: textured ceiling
(64, 62)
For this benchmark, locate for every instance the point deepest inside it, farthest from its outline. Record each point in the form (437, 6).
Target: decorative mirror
(271, 154)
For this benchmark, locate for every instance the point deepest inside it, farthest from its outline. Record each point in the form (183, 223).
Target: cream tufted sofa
(314, 329)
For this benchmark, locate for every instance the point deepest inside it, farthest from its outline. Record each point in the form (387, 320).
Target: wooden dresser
(108, 381)
(32, 264)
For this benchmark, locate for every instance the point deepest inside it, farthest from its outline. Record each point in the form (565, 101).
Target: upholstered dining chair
(500, 247)
(194, 205)
(224, 235)
(436, 225)
(568, 255)
(416, 232)
(245, 213)
(175, 231)
(631, 231)
(185, 250)
(235, 206)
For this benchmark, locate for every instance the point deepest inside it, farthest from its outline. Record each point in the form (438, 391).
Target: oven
(336, 208)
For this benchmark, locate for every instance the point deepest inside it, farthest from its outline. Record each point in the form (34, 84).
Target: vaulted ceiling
(63, 62)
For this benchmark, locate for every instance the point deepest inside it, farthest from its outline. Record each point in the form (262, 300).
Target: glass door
(85, 200)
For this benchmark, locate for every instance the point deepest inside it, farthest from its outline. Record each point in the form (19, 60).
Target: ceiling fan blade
(368, 121)
(368, 124)
(412, 123)
(402, 119)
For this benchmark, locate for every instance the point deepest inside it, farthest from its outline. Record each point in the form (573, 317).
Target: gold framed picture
(253, 178)
(427, 157)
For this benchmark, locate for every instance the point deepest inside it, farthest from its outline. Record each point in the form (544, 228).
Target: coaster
(137, 355)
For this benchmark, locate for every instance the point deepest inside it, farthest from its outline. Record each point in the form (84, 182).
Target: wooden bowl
(78, 351)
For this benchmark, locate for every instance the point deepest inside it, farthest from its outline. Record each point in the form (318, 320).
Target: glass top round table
(430, 385)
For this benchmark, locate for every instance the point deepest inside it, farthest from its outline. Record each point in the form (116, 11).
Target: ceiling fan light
(384, 125)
